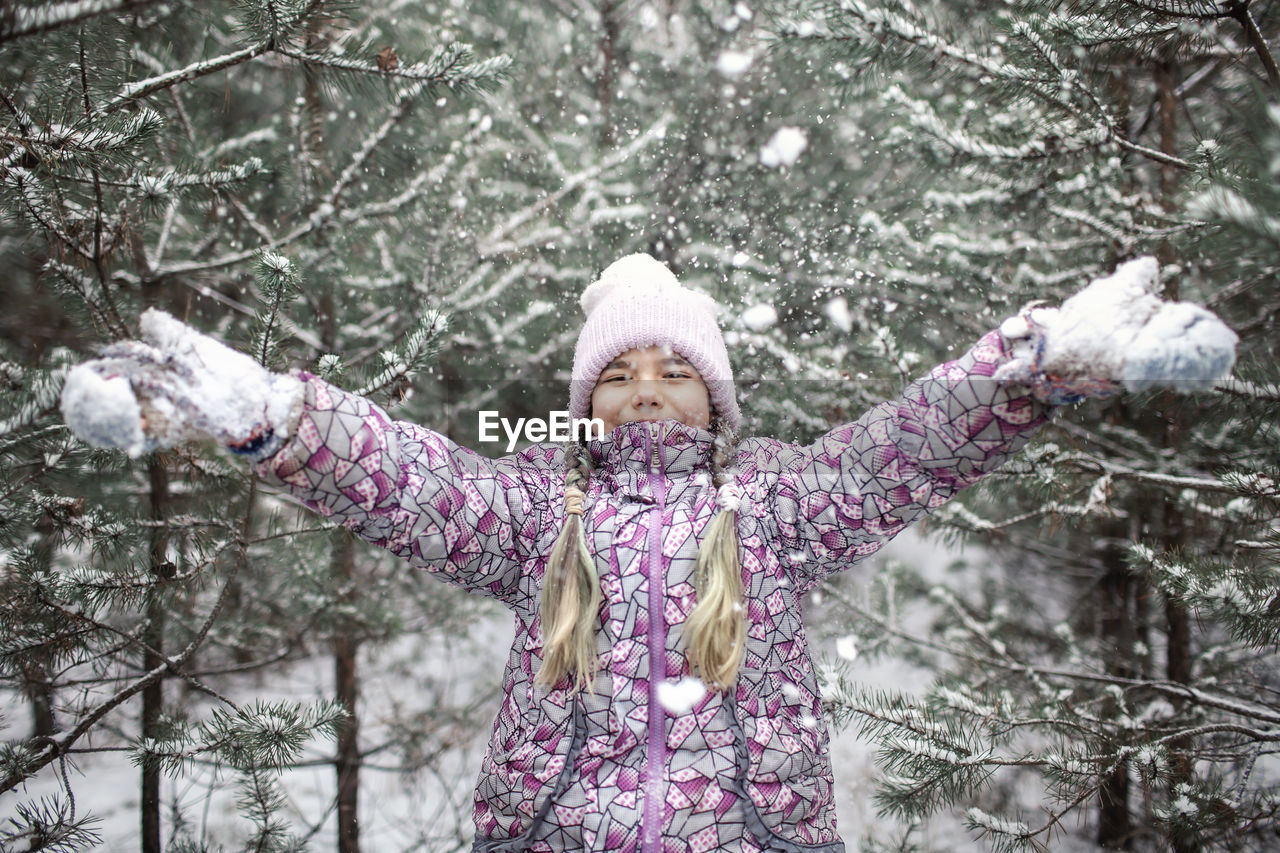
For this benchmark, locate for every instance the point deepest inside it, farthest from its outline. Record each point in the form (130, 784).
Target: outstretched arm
(841, 498)
(402, 487)
(412, 491)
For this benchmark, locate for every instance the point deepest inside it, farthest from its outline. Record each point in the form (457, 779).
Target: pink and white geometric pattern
(748, 770)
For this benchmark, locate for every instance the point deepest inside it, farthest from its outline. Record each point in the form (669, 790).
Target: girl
(659, 694)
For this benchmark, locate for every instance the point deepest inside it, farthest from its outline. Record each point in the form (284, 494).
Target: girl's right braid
(570, 604)
(717, 629)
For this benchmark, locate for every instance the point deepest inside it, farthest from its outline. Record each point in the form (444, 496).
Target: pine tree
(1109, 664)
(263, 170)
(313, 182)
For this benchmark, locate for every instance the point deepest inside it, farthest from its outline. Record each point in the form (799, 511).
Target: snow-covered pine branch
(324, 211)
(143, 88)
(1221, 204)
(225, 147)
(471, 294)
(48, 824)
(419, 344)
(1185, 8)
(1041, 674)
(270, 734)
(1244, 484)
(163, 185)
(1090, 29)
(39, 204)
(864, 26)
(1241, 595)
(868, 24)
(56, 142)
(453, 66)
(415, 188)
(13, 775)
(17, 20)
(1003, 833)
(1053, 142)
(1267, 392)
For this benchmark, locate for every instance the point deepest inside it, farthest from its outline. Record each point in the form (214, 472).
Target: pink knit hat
(637, 303)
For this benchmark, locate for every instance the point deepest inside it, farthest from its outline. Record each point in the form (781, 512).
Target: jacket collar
(623, 459)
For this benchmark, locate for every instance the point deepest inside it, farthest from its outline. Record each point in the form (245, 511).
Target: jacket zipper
(651, 823)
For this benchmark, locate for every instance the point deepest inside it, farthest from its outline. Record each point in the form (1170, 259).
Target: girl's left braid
(570, 604)
(717, 628)
(576, 478)
(723, 456)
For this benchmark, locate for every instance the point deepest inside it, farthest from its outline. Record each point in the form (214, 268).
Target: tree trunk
(610, 28)
(1166, 77)
(1177, 621)
(1178, 656)
(153, 637)
(311, 131)
(1115, 824)
(35, 673)
(346, 646)
(35, 683)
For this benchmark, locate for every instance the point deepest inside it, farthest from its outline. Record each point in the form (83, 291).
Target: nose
(648, 394)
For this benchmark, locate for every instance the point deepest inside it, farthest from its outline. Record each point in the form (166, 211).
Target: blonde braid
(716, 631)
(570, 603)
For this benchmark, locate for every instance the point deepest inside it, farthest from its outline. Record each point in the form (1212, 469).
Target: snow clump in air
(734, 63)
(784, 148)
(839, 315)
(741, 13)
(757, 318)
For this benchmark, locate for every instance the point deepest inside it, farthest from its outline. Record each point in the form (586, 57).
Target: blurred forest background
(408, 197)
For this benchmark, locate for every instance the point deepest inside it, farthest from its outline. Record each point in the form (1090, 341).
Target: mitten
(177, 385)
(1117, 333)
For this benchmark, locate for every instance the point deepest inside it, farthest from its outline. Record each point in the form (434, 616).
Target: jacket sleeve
(440, 506)
(843, 497)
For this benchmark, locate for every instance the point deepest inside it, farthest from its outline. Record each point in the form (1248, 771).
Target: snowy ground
(429, 810)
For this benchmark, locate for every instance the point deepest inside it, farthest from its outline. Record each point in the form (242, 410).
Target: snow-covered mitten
(1117, 333)
(177, 385)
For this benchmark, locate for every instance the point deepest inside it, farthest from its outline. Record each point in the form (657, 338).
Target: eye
(617, 377)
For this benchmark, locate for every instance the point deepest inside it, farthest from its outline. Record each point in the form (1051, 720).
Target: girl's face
(650, 384)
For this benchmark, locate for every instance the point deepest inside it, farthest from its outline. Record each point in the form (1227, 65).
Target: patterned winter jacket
(620, 769)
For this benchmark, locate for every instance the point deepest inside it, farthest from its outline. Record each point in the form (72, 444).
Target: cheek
(695, 407)
(604, 405)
